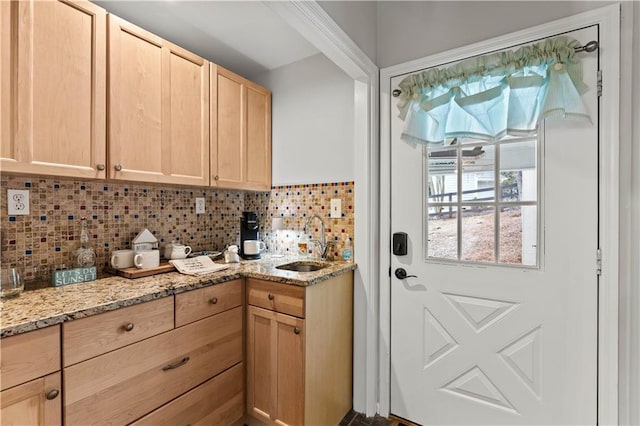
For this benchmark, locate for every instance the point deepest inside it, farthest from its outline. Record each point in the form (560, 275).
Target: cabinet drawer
(92, 336)
(30, 355)
(286, 299)
(124, 385)
(198, 304)
(215, 402)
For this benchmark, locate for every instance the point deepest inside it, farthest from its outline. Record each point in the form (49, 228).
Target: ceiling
(246, 37)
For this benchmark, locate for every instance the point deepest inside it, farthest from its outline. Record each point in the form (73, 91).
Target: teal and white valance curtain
(488, 97)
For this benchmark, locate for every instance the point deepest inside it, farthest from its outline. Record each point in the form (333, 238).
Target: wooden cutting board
(139, 273)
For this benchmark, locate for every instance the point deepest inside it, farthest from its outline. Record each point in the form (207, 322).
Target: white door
(475, 340)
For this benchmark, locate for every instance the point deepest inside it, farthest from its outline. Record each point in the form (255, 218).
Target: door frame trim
(608, 18)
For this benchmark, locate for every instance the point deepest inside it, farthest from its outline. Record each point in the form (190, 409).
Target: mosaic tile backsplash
(295, 204)
(46, 238)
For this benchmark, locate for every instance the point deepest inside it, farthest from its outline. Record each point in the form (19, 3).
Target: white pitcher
(179, 251)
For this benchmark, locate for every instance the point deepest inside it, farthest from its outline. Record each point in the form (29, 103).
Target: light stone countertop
(41, 308)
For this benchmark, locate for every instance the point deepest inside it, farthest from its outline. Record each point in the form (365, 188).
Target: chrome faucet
(324, 246)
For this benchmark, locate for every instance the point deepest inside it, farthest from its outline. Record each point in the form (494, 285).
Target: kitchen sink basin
(303, 266)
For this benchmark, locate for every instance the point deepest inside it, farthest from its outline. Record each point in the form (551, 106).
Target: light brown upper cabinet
(52, 86)
(158, 109)
(7, 56)
(240, 132)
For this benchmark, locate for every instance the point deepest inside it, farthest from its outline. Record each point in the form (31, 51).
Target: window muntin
(494, 185)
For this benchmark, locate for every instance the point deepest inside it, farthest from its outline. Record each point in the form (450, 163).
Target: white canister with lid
(167, 248)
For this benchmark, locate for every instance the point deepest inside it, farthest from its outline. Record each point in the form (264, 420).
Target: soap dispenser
(347, 252)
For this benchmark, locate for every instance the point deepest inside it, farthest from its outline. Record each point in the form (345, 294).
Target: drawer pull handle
(214, 300)
(180, 363)
(128, 326)
(53, 394)
(296, 330)
(270, 296)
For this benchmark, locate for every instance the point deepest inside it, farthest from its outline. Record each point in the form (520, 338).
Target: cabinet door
(289, 407)
(158, 109)
(57, 104)
(34, 403)
(8, 13)
(275, 371)
(240, 132)
(186, 119)
(228, 133)
(258, 137)
(261, 354)
(28, 356)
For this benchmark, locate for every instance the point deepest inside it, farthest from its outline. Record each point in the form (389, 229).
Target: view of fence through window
(482, 201)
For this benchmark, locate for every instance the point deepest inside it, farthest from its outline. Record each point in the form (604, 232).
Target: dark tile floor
(357, 419)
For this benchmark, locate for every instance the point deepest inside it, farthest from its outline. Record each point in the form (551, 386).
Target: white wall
(358, 20)
(312, 125)
(414, 29)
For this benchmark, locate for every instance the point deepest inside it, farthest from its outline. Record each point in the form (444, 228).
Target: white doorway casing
(609, 20)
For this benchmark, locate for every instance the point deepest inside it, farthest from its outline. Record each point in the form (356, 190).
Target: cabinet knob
(53, 394)
(296, 330)
(216, 177)
(128, 326)
(214, 300)
(100, 167)
(270, 296)
(118, 167)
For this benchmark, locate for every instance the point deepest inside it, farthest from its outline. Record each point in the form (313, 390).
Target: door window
(482, 201)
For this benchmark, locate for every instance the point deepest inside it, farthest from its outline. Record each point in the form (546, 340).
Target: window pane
(478, 224)
(478, 173)
(442, 176)
(518, 175)
(519, 235)
(442, 237)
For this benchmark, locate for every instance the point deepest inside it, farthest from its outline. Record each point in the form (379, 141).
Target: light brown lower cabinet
(276, 366)
(298, 360)
(299, 368)
(35, 403)
(126, 384)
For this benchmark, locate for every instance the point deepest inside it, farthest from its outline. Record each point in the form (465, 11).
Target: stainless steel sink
(303, 266)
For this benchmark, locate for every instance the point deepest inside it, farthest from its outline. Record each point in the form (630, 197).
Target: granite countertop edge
(49, 306)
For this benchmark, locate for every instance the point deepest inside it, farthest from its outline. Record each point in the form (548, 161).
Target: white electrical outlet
(336, 208)
(17, 202)
(200, 206)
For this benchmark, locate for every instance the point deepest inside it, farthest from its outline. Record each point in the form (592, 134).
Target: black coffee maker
(248, 231)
